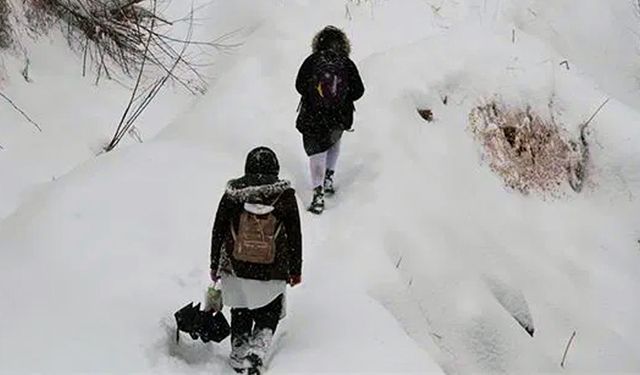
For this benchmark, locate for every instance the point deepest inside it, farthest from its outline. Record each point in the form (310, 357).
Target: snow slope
(419, 264)
(77, 116)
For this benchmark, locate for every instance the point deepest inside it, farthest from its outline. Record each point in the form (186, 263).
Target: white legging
(321, 162)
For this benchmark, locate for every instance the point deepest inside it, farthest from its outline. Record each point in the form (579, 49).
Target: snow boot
(254, 371)
(260, 345)
(238, 357)
(317, 203)
(329, 190)
(256, 367)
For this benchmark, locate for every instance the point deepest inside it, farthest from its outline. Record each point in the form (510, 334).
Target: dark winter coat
(320, 127)
(264, 190)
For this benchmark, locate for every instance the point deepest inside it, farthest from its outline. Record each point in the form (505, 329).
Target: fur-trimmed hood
(331, 38)
(248, 190)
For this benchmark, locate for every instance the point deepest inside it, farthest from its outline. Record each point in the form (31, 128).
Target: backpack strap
(234, 235)
(273, 204)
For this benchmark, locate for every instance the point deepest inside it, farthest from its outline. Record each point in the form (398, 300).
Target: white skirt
(238, 292)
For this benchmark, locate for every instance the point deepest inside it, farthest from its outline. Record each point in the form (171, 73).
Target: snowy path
(335, 324)
(354, 333)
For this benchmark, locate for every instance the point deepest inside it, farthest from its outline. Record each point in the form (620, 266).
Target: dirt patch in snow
(530, 153)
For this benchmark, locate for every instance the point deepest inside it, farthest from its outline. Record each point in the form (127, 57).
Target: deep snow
(419, 264)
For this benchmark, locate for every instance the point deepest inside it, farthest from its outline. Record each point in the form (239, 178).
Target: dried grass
(529, 153)
(112, 37)
(6, 39)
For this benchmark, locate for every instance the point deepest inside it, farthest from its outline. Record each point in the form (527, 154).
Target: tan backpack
(255, 241)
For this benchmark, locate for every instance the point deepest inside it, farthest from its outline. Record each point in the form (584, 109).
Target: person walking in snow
(256, 250)
(329, 83)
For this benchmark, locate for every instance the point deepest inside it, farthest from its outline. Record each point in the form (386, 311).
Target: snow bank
(78, 118)
(450, 223)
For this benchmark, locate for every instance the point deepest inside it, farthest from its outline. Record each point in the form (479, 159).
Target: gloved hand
(295, 280)
(214, 276)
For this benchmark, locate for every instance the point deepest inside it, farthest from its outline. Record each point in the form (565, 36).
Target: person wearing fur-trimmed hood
(328, 82)
(255, 289)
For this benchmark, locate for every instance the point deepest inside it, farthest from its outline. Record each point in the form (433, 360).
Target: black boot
(239, 352)
(317, 203)
(256, 364)
(328, 182)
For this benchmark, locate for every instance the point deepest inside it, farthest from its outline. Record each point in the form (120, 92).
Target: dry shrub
(527, 151)
(6, 39)
(110, 33)
(117, 36)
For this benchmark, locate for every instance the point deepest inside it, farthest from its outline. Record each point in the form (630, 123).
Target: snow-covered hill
(424, 262)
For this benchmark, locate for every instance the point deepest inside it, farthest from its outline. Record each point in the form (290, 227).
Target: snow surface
(422, 263)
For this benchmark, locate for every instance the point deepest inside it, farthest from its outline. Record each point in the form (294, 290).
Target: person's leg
(332, 156)
(266, 322)
(241, 328)
(332, 160)
(318, 165)
(268, 316)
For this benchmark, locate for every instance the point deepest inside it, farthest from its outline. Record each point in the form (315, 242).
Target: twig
(399, 262)
(580, 169)
(566, 350)
(347, 12)
(25, 71)
(117, 137)
(20, 111)
(99, 74)
(179, 59)
(145, 102)
(104, 65)
(128, 4)
(213, 43)
(158, 85)
(133, 112)
(596, 113)
(84, 57)
(135, 134)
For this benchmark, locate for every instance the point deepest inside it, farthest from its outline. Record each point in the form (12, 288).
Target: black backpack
(330, 81)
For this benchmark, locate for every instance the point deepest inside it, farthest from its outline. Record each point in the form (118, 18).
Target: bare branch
(596, 113)
(566, 350)
(84, 57)
(116, 137)
(5, 97)
(138, 103)
(111, 34)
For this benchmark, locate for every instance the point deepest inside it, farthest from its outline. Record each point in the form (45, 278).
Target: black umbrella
(204, 325)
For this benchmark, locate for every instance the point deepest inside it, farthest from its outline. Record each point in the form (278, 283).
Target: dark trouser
(245, 321)
(315, 143)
